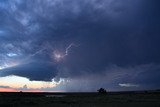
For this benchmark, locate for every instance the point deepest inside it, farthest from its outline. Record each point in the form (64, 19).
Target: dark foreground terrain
(119, 99)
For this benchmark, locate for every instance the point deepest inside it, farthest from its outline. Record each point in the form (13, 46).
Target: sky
(79, 45)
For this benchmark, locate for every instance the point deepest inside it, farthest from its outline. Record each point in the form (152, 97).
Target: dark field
(118, 99)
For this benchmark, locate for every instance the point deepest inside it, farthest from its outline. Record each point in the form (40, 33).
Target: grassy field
(124, 99)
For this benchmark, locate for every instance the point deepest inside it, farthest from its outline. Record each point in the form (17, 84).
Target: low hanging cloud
(114, 78)
(5, 87)
(128, 85)
(39, 71)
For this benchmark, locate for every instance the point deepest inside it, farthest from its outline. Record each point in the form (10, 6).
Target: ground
(119, 99)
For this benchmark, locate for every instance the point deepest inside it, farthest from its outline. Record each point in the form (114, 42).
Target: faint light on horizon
(19, 82)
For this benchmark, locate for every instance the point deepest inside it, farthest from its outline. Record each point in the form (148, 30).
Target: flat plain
(93, 99)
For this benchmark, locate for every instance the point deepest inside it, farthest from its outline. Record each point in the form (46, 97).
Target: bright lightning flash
(58, 56)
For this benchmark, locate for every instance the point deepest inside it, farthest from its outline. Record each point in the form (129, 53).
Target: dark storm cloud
(114, 78)
(39, 71)
(107, 32)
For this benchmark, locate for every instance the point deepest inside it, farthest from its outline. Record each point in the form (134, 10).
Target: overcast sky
(79, 45)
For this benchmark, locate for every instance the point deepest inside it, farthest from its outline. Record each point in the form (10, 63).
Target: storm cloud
(115, 41)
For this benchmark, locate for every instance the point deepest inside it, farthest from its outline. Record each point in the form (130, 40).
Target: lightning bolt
(39, 51)
(68, 48)
(32, 55)
(59, 56)
(10, 63)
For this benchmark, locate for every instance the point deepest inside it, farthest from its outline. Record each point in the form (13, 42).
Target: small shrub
(102, 91)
